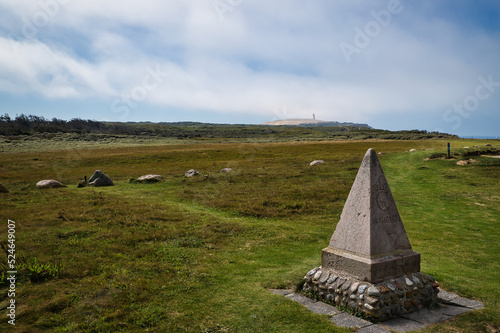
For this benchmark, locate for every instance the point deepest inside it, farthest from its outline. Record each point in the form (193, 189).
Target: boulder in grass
(316, 162)
(49, 183)
(191, 173)
(149, 179)
(226, 170)
(99, 178)
(3, 189)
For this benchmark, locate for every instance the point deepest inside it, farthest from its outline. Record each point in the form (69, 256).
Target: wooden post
(449, 150)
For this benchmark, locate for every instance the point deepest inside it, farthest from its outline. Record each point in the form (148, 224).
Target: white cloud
(261, 57)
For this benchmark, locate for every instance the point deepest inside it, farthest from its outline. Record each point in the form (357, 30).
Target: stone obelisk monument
(369, 265)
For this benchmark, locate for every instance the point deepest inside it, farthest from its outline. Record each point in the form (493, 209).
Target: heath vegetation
(199, 254)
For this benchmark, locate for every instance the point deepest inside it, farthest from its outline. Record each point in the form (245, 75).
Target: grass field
(198, 254)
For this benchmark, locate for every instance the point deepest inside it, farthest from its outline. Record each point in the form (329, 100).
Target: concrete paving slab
(300, 299)
(346, 320)
(402, 325)
(282, 292)
(451, 310)
(373, 329)
(455, 305)
(467, 303)
(426, 316)
(322, 308)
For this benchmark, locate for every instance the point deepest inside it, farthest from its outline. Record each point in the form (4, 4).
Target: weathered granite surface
(370, 241)
(369, 265)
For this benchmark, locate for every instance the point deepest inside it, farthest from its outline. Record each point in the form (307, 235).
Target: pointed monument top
(370, 225)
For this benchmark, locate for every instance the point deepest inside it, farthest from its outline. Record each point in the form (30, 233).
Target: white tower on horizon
(314, 116)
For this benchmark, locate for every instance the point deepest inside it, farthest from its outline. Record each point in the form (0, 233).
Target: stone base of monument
(379, 301)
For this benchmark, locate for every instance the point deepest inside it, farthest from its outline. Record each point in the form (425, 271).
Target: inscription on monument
(387, 219)
(384, 195)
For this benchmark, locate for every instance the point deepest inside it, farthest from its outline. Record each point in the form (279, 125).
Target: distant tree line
(27, 125)
(30, 125)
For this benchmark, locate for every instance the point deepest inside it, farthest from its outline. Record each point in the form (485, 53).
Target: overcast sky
(392, 64)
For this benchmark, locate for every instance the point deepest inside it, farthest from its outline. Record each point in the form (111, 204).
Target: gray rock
(3, 189)
(312, 271)
(150, 178)
(99, 178)
(373, 291)
(49, 183)
(191, 173)
(316, 162)
(226, 170)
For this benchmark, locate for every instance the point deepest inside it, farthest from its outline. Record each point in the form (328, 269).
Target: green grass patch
(198, 254)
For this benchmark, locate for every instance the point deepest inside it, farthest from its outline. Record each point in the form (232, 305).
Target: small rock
(398, 285)
(383, 289)
(150, 178)
(354, 287)
(466, 147)
(371, 300)
(312, 271)
(462, 162)
(99, 178)
(316, 162)
(332, 279)
(487, 145)
(362, 288)
(324, 277)
(373, 291)
(3, 189)
(191, 173)
(346, 285)
(417, 280)
(412, 150)
(371, 308)
(408, 282)
(317, 275)
(226, 170)
(49, 183)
